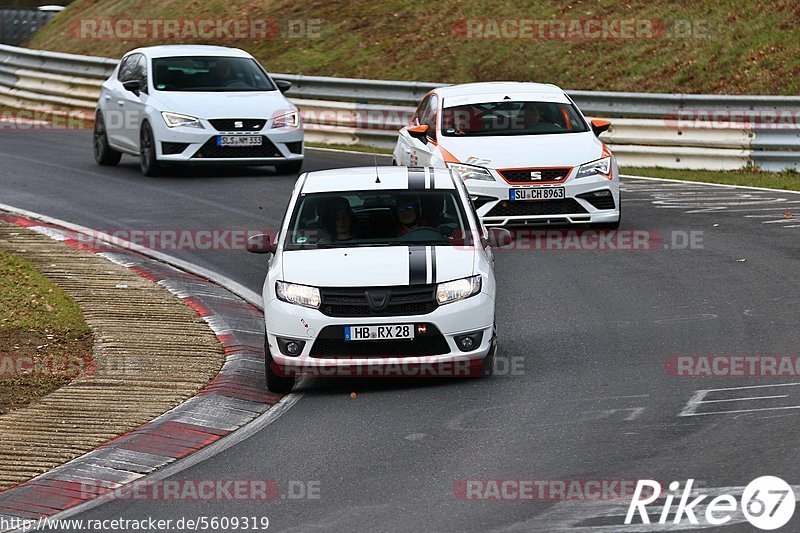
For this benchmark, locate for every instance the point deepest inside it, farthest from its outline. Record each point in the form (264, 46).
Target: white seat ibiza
(525, 151)
(196, 104)
(380, 271)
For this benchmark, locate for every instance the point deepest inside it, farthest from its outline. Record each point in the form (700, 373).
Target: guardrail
(668, 130)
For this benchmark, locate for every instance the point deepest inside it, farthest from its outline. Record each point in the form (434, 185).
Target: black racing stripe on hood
(417, 265)
(416, 178)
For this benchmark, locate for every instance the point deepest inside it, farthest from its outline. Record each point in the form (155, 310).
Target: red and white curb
(235, 397)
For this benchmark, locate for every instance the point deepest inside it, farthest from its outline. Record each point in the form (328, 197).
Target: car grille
(402, 300)
(330, 343)
(599, 202)
(566, 206)
(229, 124)
(211, 150)
(523, 175)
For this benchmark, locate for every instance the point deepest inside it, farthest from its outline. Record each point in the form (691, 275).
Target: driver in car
(408, 216)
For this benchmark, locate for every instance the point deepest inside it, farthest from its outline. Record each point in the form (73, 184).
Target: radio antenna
(375, 159)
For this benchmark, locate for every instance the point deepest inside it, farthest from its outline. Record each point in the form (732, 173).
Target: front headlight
(601, 166)
(460, 289)
(175, 120)
(470, 172)
(298, 294)
(289, 120)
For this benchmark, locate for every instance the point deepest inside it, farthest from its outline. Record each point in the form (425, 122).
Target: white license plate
(537, 193)
(239, 140)
(376, 333)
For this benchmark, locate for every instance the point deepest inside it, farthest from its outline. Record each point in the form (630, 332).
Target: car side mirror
(499, 237)
(600, 125)
(134, 86)
(419, 132)
(283, 85)
(261, 244)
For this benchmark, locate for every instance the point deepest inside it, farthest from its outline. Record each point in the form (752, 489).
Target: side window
(429, 116)
(421, 110)
(125, 72)
(140, 72)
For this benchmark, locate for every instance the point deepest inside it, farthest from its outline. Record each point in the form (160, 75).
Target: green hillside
(724, 47)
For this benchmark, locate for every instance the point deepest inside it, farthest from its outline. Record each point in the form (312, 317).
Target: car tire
(104, 155)
(292, 167)
(275, 383)
(147, 152)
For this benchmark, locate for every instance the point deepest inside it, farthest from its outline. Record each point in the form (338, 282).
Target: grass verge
(788, 180)
(44, 340)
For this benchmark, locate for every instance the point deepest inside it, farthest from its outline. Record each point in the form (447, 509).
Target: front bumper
(495, 208)
(288, 321)
(195, 145)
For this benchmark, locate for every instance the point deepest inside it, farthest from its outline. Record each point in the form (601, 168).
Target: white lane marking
(241, 434)
(698, 399)
(635, 412)
(693, 403)
(746, 410)
(746, 387)
(607, 398)
(226, 282)
(745, 399)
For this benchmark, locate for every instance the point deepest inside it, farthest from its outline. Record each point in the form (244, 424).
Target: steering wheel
(433, 234)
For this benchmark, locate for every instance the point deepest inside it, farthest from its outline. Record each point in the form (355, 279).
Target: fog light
(469, 342)
(290, 347)
(293, 348)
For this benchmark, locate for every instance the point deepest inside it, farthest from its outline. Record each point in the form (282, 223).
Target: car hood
(262, 104)
(376, 266)
(519, 151)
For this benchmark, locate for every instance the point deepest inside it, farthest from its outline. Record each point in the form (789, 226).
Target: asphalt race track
(585, 333)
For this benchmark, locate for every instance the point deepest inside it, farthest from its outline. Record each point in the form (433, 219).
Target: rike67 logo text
(767, 503)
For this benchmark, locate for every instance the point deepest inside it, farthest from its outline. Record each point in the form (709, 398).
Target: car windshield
(209, 74)
(511, 118)
(379, 218)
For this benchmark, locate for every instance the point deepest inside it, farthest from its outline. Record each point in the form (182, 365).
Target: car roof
(377, 178)
(180, 50)
(511, 87)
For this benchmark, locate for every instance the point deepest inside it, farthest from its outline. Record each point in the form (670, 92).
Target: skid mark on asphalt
(699, 199)
(748, 399)
(589, 516)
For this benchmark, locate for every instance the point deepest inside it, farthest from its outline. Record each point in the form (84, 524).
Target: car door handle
(107, 97)
(120, 102)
